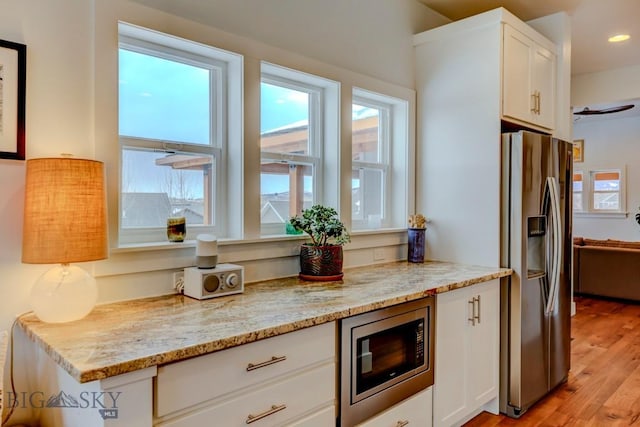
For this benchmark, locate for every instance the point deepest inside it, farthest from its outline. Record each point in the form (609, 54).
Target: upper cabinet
(528, 79)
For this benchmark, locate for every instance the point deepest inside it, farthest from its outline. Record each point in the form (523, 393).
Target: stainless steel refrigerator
(536, 243)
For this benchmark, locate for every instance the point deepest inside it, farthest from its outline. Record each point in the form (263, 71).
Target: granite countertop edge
(194, 328)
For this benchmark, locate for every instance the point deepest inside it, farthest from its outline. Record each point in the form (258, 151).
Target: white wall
(366, 36)
(58, 119)
(72, 76)
(612, 143)
(606, 86)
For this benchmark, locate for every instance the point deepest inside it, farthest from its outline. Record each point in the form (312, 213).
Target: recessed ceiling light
(619, 38)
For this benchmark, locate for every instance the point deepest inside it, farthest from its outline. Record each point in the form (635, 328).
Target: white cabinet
(412, 412)
(464, 103)
(528, 79)
(266, 381)
(467, 353)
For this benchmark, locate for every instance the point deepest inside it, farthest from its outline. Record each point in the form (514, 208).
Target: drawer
(415, 411)
(323, 418)
(183, 384)
(275, 404)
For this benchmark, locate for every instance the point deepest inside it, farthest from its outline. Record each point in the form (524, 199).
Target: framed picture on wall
(578, 150)
(13, 72)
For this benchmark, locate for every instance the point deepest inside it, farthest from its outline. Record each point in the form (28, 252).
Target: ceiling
(592, 23)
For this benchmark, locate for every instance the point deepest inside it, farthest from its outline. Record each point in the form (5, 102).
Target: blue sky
(167, 100)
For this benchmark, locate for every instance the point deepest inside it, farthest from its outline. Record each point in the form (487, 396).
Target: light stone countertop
(127, 336)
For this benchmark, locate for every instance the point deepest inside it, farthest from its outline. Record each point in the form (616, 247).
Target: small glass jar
(176, 229)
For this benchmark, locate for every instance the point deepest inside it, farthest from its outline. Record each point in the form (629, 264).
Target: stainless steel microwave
(385, 357)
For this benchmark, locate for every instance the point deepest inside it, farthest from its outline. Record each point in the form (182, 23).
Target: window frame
(320, 92)
(581, 192)
(593, 191)
(219, 63)
(385, 125)
(588, 190)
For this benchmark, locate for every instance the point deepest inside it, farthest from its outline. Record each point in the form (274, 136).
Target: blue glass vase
(416, 243)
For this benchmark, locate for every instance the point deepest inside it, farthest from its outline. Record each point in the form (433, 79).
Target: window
(380, 165)
(606, 190)
(293, 144)
(599, 191)
(577, 191)
(370, 142)
(173, 120)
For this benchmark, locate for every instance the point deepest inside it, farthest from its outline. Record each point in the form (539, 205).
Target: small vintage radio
(223, 279)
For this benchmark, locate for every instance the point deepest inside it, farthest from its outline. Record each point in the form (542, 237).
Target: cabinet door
(450, 379)
(414, 411)
(518, 98)
(484, 342)
(544, 83)
(528, 81)
(467, 352)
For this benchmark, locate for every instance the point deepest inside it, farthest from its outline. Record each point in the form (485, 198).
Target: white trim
(608, 215)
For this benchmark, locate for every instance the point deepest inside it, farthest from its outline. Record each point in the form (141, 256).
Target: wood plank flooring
(603, 388)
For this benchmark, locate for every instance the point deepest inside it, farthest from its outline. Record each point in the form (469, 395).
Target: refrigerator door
(534, 332)
(560, 317)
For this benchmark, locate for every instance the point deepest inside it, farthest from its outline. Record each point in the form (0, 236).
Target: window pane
(577, 201)
(366, 133)
(366, 195)
(606, 201)
(577, 182)
(162, 99)
(606, 182)
(156, 186)
(284, 120)
(285, 189)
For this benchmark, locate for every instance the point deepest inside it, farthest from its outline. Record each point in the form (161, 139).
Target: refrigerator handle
(556, 238)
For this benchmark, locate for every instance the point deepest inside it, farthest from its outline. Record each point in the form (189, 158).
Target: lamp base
(64, 294)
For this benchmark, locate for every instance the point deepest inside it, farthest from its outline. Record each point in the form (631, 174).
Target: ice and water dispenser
(536, 246)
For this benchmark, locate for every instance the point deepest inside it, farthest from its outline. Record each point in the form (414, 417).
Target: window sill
(620, 215)
(157, 256)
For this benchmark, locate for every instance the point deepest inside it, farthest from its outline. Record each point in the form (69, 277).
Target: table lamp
(65, 221)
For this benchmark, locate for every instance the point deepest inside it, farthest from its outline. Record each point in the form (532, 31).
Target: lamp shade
(65, 217)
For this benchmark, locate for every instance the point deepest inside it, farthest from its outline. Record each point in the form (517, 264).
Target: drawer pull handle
(273, 410)
(274, 359)
(472, 319)
(402, 423)
(475, 312)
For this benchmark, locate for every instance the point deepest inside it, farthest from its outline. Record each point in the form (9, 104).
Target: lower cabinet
(412, 412)
(288, 380)
(467, 353)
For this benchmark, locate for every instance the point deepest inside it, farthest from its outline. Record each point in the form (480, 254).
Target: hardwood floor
(603, 388)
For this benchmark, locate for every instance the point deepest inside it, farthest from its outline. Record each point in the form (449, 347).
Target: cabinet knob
(402, 423)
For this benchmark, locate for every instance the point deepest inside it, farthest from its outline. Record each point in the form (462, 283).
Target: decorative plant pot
(416, 243)
(321, 262)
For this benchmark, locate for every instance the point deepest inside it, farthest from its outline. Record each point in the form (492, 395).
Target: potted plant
(321, 259)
